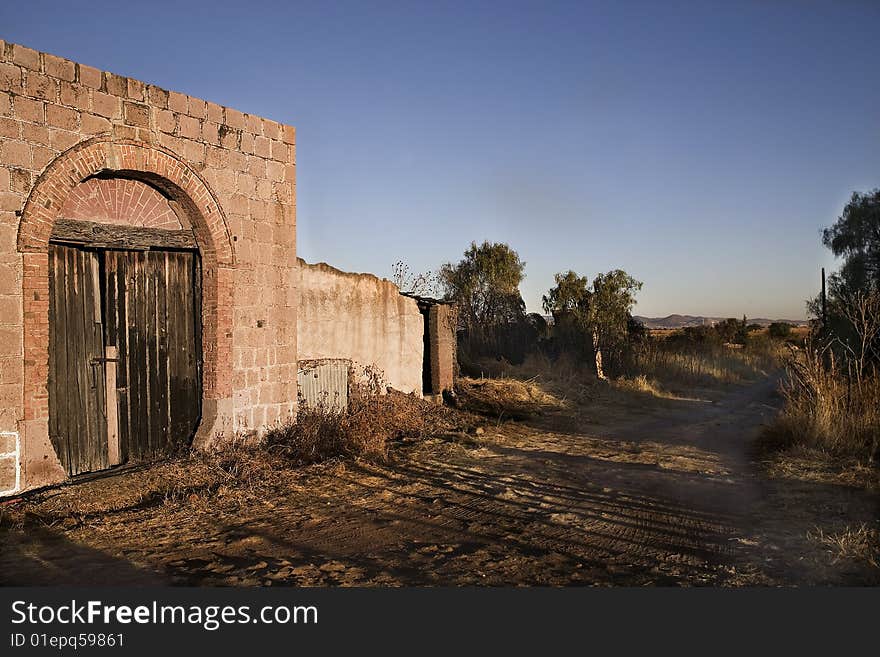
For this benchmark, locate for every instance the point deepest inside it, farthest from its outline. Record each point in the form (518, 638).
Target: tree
(420, 285)
(855, 236)
(485, 287)
(569, 303)
(599, 313)
(779, 330)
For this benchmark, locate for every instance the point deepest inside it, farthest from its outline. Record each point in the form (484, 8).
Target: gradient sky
(701, 146)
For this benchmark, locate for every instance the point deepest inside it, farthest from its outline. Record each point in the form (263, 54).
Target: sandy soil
(628, 490)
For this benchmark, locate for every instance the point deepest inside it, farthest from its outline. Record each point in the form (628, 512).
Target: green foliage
(614, 295)
(779, 330)
(855, 236)
(485, 286)
(593, 317)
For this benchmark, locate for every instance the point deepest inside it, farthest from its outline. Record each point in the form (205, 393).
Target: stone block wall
(441, 330)
(232, 174)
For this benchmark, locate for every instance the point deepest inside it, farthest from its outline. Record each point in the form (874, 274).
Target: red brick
(262, 147)
(26, 57)
(210, 132)
(10, 128)
(194, 152)
(16, 153)
(115, 85)
(271, 129)
(280, 151)
(10, 201)
(92, 125)
(136, 90)
(89, 76)
(177, 102)
(124, 131)
(235, 119)
(137, 115)
(60, 68)
(158, 97)
(62, 117)
(229, 137)
(254, 124)
(105, 105)
(165, 121)
(189, 127)
(74, 95)
(247, 143)
(42, 157)
(41, 86)
(35, 134)
(29, 110)
(197, 108)
(10, 78)
(61, 140)
(215, 113)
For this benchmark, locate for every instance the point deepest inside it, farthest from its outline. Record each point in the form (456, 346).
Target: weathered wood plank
(113, 453)
(161, 272)
(110, 236)
(150, 310)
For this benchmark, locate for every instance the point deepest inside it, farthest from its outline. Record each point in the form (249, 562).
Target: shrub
(780, 330)
(827, 409)
(362, 430)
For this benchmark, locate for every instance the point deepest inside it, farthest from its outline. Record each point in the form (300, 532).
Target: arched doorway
(128, 266)
(125, 356)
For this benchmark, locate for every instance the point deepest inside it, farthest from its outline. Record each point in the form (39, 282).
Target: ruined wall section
(441, 325)
(363, 318)
(52, 108)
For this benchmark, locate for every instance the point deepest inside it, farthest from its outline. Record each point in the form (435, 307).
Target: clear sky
(701, 146)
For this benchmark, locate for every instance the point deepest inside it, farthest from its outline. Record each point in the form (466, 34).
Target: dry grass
(803, 463)
(860, 544)
(242, 471)
(363, 430)
(539, 385)
(681, 367)
(829, 428)
(826, 410)
(641, 383)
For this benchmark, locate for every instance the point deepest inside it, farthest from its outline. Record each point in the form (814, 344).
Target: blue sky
(701, 146)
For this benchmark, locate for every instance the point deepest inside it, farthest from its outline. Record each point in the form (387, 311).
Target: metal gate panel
(323, 383)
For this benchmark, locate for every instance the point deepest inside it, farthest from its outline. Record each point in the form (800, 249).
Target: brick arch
(128, 159)
(165, 171)
(122, 202)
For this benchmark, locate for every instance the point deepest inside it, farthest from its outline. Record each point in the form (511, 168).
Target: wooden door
(152, 310)
(125, 354)
(77, 405)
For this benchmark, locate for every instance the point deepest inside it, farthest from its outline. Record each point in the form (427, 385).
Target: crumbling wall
(441, 325)
(63, 124)
(363, 318)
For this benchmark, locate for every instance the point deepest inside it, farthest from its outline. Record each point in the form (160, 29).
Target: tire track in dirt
(664, 494)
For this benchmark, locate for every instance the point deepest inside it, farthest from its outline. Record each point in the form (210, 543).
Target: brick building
(149, 280)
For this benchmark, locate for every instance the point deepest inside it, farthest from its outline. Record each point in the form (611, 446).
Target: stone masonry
(72, 137)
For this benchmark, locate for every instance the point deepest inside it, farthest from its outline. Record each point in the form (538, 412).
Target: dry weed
(860, 543)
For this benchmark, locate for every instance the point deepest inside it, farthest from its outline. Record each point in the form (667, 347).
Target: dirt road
(656, 491)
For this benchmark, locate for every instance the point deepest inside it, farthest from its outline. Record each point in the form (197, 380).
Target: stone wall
(363, 318)
(441, 331)
(230, 175)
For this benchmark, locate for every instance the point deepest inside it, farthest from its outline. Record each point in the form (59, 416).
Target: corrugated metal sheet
(324, 383)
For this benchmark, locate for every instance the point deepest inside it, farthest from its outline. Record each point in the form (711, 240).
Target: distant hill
(680, 321)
